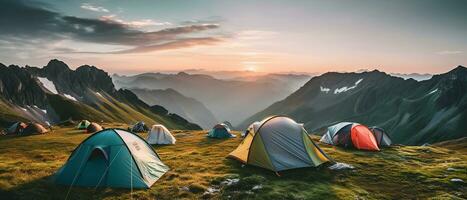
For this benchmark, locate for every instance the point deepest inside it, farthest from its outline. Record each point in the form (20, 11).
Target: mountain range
(189, 108)
(231, 99)
(55, 93)
(413, 112)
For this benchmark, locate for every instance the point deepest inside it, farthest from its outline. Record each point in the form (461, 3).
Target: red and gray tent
(348, 134)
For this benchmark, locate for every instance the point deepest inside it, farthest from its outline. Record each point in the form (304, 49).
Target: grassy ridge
(196, 162)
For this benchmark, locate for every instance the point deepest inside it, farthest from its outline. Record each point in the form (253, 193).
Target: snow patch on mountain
(49, 85)
(43, 110)
(345, 88)
(435, 90)
(324, 89)
(70, 97)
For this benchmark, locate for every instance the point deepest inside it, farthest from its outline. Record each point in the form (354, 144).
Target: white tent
(160, 135)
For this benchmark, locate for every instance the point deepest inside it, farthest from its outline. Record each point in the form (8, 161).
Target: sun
(250, 69)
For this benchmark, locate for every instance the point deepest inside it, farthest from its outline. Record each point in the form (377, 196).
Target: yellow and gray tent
(279, 144)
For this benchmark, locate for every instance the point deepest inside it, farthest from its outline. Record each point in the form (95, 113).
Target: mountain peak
(459, 69)
(55, 67)
(182, 74)
(57, 64)
(458, 72)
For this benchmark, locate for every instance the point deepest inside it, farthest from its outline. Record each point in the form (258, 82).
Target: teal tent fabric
(83, 125)
(220, 131)
(112, 158)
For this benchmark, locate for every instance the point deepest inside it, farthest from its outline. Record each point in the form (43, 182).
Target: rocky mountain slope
(232, 100)
(189, 108)
(412, 112)
(55, 93)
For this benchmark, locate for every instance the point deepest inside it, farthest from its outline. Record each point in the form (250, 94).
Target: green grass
(198, 163)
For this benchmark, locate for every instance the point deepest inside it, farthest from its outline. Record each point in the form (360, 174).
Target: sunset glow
(266, 36)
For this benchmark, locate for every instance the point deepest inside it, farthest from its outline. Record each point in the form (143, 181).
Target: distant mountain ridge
(229, 100)
(55, 93)
(412, 112)
(189, 108)
(415, 76)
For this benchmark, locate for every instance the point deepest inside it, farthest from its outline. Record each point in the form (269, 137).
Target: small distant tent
(252, 128)
(112, 158)
(159, 134)
(382, 138)
(34, 129)
(220, 131)
(83, 125)
(139, 127)
(279, 144)
(16, 129)
(348, 134)
(93, 127)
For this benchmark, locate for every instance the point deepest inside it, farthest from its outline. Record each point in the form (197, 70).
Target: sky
(123, 36)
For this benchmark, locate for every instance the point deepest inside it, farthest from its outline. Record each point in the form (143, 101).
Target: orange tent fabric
(363, 138)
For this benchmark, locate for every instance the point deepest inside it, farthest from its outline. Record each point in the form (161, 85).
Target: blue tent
(220, 131)
(112, 158)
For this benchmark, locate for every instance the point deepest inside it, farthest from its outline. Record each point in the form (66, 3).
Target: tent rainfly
(93, 127)
(349, 134)
(34, 129)
(279, 144)
(220, 131)
(83, 125)
(159, 134)
(382, 138)
(252, 128)
(16, 129)
(112, 158)
(139, 127)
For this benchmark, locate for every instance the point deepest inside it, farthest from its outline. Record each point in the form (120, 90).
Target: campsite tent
(349, 134)
(252, 128)
(112, 158)
(33, 129)
(220, 131)
(279, 144)
(83, 125)
(159, 134)
(139, 127)
(93, 127)
(382, 138)
(16, 129)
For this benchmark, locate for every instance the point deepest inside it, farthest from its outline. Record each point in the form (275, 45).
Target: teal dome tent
(112, 158)
(220, 131)
(83, 125)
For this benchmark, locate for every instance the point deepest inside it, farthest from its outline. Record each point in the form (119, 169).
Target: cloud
(176, 44)
(135, 23)
(449, 52)
(208, 20)
(29, 21)
(88, 6)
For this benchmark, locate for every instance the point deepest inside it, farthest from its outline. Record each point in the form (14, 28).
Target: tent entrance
(343, 137)
(94, 172)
